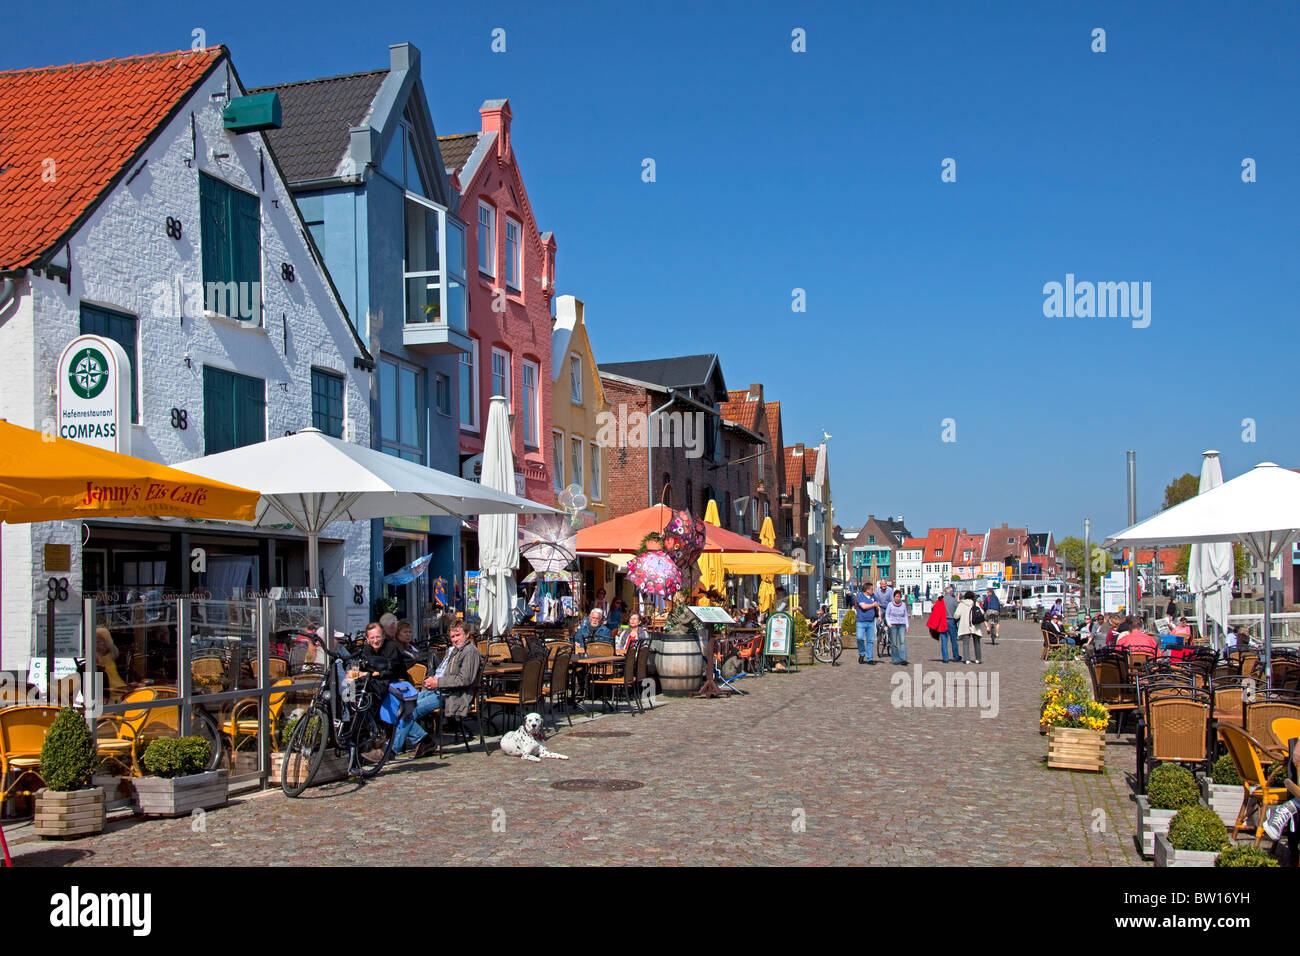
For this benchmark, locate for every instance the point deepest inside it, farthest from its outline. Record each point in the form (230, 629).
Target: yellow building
(577, 401)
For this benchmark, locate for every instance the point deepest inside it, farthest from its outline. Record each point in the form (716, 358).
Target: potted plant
(1245, 855)
(803, 655)
(1222, 791)
(67, 806)
(334, 765)
(1075, 723)
(177, 783)
(1170, 788)
(849, 630)
(1195, 837)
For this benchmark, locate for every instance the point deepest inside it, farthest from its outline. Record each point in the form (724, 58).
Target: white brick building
(153, 197)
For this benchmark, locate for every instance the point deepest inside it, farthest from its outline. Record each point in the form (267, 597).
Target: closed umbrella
(1210, 568)
(498, 534)
(767, 585)
(712, 575)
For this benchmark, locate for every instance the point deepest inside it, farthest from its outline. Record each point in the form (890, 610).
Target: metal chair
(556, 686)
(528, 694)
(1174, 728)
(1246, 752)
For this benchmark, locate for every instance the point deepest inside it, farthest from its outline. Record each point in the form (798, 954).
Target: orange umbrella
(46, 478)
(624, 535)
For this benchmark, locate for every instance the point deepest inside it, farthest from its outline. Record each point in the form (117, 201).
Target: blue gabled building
(362, 157)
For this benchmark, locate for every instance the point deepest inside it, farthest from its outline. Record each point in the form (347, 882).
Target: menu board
(779, 640)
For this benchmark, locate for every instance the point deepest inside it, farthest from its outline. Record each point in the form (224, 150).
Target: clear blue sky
(821, 171)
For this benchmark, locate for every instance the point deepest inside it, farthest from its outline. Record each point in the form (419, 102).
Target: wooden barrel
(679, 663)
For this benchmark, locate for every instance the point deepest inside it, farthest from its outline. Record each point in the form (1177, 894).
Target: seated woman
(615, 619)
(1182, 628)
(633, 632)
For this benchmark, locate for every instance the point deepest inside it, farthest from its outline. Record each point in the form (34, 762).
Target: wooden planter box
(803, 655)
(180, 796)
(1166, 855)
(1224, 799)
(333, 767)
(849, 639)
(69, 814)
(1151, 823)
(1073, 748)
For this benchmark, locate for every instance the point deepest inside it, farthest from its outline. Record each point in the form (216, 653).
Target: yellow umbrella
(767, 588)
(44, 478)
(712, 575)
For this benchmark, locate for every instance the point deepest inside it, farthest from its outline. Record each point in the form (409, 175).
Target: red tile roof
(741, 412)
(90, 120)
(973, 542)
(913, 543)
(940, 544)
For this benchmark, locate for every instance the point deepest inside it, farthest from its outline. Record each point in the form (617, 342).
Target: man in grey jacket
(450, 687)
(950, 603)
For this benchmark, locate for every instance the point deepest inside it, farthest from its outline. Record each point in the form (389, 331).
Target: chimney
(798, 448)
(755, 392)
(496, 119)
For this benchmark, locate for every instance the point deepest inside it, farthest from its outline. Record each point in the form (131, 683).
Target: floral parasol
(654, 572)
(683, 539)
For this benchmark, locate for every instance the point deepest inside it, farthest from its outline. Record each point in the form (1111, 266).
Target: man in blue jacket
(992, 608)
(868, 609)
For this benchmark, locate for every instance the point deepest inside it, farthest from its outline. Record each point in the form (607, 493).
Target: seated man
(451, 686)
(1136, 639)
(592, 629)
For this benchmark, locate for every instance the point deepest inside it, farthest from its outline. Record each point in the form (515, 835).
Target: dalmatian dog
(526, 741)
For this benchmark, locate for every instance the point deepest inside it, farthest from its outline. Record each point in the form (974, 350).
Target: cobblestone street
(817, 767)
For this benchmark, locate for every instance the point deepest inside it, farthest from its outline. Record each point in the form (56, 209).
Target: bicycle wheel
(372, 743)
(304, 751)
(202, 725)
(883, 646)
(822, 648)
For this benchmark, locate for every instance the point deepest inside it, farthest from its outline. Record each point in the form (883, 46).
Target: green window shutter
(251, 412)
(121, 328)
(246, 219)
(218, 411)
(215, 231)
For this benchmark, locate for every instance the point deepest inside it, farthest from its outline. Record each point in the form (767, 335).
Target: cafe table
(583, 668)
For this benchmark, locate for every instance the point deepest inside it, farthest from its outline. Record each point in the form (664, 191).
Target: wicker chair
(528, 694)
(642, 663)
(1286, 673)
(1258, 716)
(1228, 693)
(1109, 688)
(620, 682)
(554, 648)
(518, 652)
(556, 687)
(498, 651)
(1246, 752)
(417, 673)
(1051, 641)
(1174, 729)
(600, 649)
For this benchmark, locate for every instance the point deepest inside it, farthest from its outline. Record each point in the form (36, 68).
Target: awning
(764, 564)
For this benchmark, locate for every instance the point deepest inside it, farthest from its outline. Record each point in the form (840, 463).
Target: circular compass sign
(94, 389)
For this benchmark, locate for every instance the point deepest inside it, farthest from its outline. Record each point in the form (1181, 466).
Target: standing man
(868, 608)
(992, 608)
(949, 637)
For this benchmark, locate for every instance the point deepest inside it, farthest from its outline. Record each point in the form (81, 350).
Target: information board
(779, 638)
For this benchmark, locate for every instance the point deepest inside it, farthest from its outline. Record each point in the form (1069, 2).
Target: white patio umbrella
(311, 480)
(1260, 509)
(1210, 568)
(498, 534)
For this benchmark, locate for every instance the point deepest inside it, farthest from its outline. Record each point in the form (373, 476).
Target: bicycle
(343, 716)
(827, 646)
(884, 646)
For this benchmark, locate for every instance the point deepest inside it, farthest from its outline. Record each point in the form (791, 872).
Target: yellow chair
(1286, 729)
(123, 747)
(22, 734)
(244, 720)
(1245, 752)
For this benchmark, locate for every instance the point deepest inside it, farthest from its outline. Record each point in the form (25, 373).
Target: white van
(1039, 596)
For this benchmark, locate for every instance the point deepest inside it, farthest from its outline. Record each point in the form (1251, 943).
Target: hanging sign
(94, 392)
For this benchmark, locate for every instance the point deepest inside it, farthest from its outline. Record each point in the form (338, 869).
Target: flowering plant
(1068, 703)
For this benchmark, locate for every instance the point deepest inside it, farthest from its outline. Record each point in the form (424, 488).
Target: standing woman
(896, 618)
(967, 630)
(937, 623)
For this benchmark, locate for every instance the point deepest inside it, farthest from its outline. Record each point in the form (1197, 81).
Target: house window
(442, 393)
(501, 374)
(487, 244)
(531, 373)
(234, 410)
(575, 379)
(327, 402)
(230, 225)
(122, 329)
(514, 254)
(726, 447)
(557, 451)
(401, 410)
(432, 294)
(575, 461)
(871, 539)
(595, 472)
(469, 387)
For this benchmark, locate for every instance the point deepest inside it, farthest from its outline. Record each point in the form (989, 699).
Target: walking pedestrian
(868, 609)
(969, 629)
(949, 639)
(896, 618)
(992, 611)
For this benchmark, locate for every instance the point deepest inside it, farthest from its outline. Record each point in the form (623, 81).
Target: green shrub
(849, 623)
(1197, 828)
(1171, 786)
(177, 756)
(68, 754)
(1244, 856)
(1224, 772)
